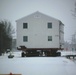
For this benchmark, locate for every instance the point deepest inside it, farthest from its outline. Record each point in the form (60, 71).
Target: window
(49, 25)
(25, 25)
(49, 38)
(25, 38)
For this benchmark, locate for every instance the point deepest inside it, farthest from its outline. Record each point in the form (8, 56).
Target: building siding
(38, 31)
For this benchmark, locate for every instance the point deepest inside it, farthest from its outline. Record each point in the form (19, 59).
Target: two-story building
(40, 31)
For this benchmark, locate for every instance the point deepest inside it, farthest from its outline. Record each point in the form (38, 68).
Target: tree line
(6, 31)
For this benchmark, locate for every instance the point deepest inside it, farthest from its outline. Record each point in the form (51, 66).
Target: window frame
(49, 25)
(25, 38)
(49, 38)
(25, 25)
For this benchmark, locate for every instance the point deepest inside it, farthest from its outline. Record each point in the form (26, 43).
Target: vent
(37, 16)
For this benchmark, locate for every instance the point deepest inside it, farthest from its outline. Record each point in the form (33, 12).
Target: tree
(73, 41)
(6, 31)
(74, 11)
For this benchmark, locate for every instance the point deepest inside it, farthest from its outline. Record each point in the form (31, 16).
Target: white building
(38, 30)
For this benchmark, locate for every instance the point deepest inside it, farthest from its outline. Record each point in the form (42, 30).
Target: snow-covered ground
(64, 53)
(37, 65)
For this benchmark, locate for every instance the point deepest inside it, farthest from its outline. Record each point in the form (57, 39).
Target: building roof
(37, 12)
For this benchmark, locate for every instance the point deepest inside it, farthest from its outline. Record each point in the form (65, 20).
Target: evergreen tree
(6, 32)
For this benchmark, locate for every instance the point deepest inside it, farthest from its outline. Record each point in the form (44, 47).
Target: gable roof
(37, 12)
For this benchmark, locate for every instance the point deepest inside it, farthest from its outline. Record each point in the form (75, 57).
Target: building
(40, 31)
(69, 46)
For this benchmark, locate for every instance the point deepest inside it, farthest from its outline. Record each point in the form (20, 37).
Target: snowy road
(38, 66)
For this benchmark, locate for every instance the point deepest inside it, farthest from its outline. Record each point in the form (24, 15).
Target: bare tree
(74, 10)
(73, 41)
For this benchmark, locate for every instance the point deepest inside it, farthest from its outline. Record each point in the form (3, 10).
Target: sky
(12, 10)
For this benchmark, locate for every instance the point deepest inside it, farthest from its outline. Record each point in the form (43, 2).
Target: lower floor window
(49, 38)
(25, 38)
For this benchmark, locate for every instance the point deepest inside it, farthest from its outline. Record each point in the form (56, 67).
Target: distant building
(38, 30)
(69, 47)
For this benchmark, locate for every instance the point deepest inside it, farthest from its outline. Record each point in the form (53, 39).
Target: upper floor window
(49, 25)
(25, 38)
(49, 38)
(25, 25)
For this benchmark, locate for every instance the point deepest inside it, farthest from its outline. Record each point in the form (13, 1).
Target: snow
(64, 53)
(37, 65)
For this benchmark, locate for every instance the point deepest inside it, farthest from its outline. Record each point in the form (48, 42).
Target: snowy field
(37, 65)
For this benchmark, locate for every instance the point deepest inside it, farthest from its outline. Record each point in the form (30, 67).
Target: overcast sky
(12, 10)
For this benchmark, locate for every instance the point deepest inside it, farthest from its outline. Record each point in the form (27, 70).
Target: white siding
(38, 31)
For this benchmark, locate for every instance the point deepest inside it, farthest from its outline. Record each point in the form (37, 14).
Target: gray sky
(12, 10)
